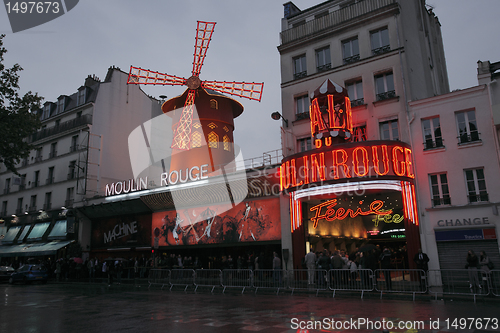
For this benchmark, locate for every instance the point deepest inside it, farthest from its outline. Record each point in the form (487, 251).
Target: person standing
(91, 268)
(276, 269)
(311, 266)
(486, 266)
(421, 260)
(385, 264)
(472, 265)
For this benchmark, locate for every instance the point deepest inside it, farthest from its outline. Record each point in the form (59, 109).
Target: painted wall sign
(120, 230)
(465, 234)
(461, 222)
(346, 161)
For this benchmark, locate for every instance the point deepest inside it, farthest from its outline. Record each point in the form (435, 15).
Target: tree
(18, 118)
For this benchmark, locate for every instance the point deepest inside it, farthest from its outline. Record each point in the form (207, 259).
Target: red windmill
(182, 131)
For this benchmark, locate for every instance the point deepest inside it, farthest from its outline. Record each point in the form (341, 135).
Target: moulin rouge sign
(334, 159)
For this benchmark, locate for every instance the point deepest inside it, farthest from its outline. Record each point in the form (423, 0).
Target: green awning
(33, 249)
(38, 231)
(59, 231)
(11, 234)
(23, 234)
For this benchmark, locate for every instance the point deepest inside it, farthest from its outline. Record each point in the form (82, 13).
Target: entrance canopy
(34, 249)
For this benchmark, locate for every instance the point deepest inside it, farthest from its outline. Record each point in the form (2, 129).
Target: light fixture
(276, 116)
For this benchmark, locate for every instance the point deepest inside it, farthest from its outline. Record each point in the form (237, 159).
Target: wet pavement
(83, 307)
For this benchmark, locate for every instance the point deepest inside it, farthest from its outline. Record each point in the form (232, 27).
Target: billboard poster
(124, 231)
(249, 221)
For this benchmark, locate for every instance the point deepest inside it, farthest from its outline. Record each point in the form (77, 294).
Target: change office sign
(24, 15)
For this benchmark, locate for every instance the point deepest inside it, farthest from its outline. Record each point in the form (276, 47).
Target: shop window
(227, 143)
(302, 107)
(323, 59)
(213, 140)
(389, 130)
(196, 140)
(299, 67)
(304, 144)
(384, 86)
(355, 92)
(350, 50)
(476, 185)
(380, 41)
(439, 190)
(431, 129)
(467, 127)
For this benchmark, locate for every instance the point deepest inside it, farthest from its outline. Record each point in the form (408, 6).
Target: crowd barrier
(404, 281)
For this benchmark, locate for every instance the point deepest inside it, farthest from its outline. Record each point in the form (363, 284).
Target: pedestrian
(385, 265)
(486, 266)
(310, 260)
(472, 265)
(104, 270)
(276, 269)
(91, 268)
(58, 270)
(421, 260)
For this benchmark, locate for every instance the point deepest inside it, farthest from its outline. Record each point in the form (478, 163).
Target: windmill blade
(182, 133)
(251, 91)
(203, 36)
(144, 76)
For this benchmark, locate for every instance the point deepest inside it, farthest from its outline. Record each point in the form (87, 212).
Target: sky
(159, 35)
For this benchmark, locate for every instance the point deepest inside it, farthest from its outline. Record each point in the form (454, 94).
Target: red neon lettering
(337, 162)
(348, 118)
(364, 161)
(385, 160)
(341, 213)
(317, 124)
(306, 169)
(409, 163)
(318, 168)
(328, 141)
(318, 143)
(294, 173)
(399, 165)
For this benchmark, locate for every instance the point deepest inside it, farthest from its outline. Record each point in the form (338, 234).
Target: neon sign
(396, 218)
(332, 214)
(382, 158)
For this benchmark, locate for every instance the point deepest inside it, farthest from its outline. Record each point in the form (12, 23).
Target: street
(84, 307)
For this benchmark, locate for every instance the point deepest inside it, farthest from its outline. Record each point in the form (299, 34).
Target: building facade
(385, 53)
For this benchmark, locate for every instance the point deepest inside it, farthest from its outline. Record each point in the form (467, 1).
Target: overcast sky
(159, 35)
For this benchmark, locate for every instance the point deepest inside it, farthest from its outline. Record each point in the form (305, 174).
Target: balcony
(73, 148)
(6, 190)
(19, 211)
(49, 180)
(441, 201)
(35, 183)
(69, 203)
(32, 209)
(386, 95)
(62, 127)
(300, 75)
(47, 206)
(350, 60)
(38, 159)
(53, 154)
(323, 68)
(71, 175)
(431, 144)
(469, 138)
(303, 115)
(357, 102)
(474, 197)
(335, 19)
(381, 50)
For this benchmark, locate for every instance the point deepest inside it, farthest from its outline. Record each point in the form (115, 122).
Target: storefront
(347, 194)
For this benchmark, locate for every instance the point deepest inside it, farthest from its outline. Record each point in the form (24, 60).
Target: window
(36, 179)
(22, 183)
(81, 96)
(227, 143)
(302, 107)
(384, 86)
(46, 111)
(389, 130)
(48, 201)
(476, 185)
(355, 92)
(19, 209)
(6, 189)
(380, 41)
(4, 209)
(350, 50)
(74, 143)
(196, 139)
(467, 127)
(53, 150)
(60, 105)
(213, 140)
(299, 67)
(359, 133)
(38, 155)
(58, 122)
(32, 203)
(304, 144)
(432, 133)
(439, 190)
(70, 197)
(50, 177)
(71, 170)
(323, 59)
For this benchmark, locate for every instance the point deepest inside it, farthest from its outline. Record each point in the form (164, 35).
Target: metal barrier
(208, 278)
(158, 276)
(401, 281)
(270, 279)
(308, 279)
(237, 278)
(181, 277)
(458, 282)
(345, 279)
(494, 279)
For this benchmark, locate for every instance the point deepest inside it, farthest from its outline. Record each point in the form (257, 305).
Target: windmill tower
(204, 136)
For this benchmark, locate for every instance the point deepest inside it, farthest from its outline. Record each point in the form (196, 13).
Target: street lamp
(276, 116)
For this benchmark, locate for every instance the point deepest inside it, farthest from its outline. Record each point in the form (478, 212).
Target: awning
(38, 231)
(11, 234)
(33, 249)
(59, 231)
(23, 234)
(3, 231)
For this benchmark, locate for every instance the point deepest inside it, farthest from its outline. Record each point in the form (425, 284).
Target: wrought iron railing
(62, 127)
(351, 59)
(386, 95)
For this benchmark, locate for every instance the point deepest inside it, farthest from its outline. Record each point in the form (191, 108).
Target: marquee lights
(350, 161)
